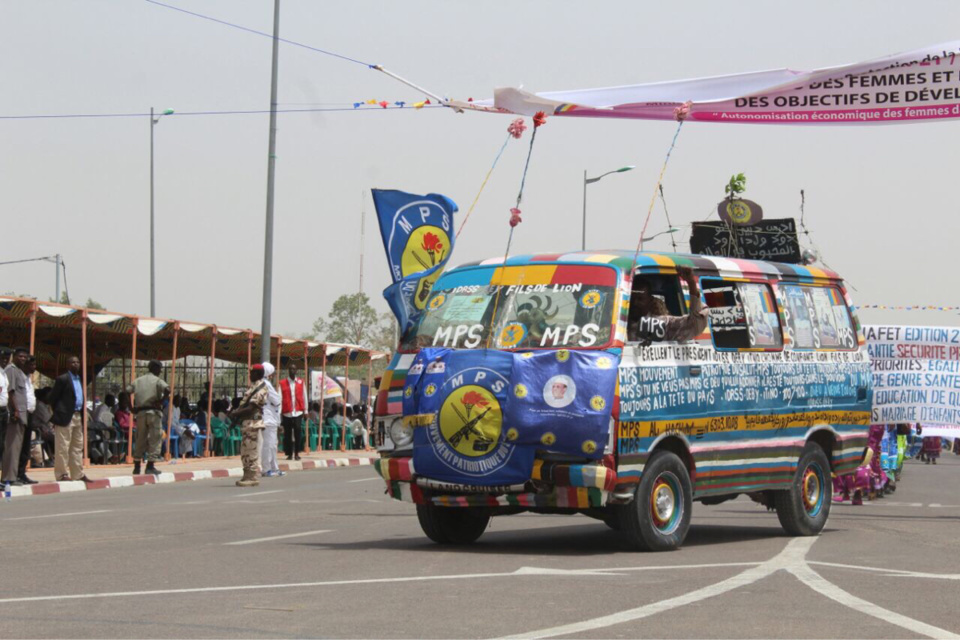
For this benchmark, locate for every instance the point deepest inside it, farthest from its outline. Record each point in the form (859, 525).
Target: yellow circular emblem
(408, 392)
(426, 247)
(437, 301)
(590, 299)
(528, 354)
(589, 446)
(430, 390)
(739, 211)
(520, 391)
(597, 403)
(512, 434)
(512, 334)
(471, 420)
(548, 438)
(604, 363)
(563, 355)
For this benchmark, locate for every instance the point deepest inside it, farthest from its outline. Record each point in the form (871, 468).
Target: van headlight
(401, 434)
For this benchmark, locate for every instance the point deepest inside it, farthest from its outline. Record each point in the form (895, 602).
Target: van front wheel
(803, 509)
(451, 525)
(659, 517)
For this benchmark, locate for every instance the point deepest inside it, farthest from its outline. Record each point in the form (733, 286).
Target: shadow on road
(581, 540)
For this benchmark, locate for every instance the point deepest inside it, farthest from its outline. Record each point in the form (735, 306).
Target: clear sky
(880, 200)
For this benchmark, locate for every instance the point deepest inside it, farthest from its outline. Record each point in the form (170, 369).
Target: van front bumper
(552, 485)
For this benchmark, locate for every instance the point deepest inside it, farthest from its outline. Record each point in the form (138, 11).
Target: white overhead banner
(908, 87)
(916, 374)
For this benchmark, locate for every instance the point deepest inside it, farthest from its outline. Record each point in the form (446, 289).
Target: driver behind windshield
(650, 321)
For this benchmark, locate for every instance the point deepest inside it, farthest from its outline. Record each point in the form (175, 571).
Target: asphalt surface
(206, 559)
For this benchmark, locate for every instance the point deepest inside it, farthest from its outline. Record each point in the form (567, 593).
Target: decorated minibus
(625, 387)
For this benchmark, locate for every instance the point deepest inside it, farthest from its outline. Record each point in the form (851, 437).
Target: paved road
(326, 554)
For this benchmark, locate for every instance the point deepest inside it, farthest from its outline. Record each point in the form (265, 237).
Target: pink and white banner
(915, 86)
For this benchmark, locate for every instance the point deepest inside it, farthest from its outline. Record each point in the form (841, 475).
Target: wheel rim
(666, 503)
(811, 489)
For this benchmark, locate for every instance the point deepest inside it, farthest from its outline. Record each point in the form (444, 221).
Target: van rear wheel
(803, 509)
(659, 517)
(451, 525)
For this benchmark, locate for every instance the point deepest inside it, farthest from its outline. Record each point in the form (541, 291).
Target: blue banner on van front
(562, 400)
(418, 238)
(457, 399)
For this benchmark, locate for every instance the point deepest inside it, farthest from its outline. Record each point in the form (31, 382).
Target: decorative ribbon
(515, 130)
(680, 113)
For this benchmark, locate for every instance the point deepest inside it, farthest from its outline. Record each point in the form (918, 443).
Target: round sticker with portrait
(559, 391)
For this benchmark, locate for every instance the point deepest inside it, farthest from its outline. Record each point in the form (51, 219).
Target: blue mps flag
(418, 237)
(562, 400)
(460, 435)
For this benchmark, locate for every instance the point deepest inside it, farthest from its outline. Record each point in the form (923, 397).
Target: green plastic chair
(232, 446)
(220, 430)
(314, 434)
(331, 435)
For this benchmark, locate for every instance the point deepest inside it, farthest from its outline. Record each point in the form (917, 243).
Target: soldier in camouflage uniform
(250, 412)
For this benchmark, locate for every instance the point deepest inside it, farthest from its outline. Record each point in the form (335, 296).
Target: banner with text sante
(916, 373)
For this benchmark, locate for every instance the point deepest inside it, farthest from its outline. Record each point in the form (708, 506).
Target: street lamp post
(586, 181)
(153, 272)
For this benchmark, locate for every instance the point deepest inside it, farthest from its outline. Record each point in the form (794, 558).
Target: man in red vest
(294, 395)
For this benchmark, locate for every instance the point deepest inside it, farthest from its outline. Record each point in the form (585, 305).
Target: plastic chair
(331, 435)
(233, 440)
(117, 445)
(314, 434)
(219, 431)
(198, 445)
(174, 444)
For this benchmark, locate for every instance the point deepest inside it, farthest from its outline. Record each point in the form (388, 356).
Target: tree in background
(353, 320)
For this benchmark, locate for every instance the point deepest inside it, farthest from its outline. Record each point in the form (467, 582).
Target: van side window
(817, 317)
(657, 309)
(743, 315)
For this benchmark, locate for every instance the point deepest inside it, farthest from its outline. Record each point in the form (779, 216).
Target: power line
(262, 33)
(44, 258)
(211, 113)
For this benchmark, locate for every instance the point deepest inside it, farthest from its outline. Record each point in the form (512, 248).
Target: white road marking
(364, 480)
(813, 580)
(300, 585)
(283, 537)
(794, 550)
(61, 515)
(792, 559)
(899, 573)
(615, 571)
(259, 493)
(249, 587)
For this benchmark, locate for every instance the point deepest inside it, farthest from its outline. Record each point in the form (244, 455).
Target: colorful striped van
(625, 387)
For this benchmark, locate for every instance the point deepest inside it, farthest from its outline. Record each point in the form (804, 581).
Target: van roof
(623, 258)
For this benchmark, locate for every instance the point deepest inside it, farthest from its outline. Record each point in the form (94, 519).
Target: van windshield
(525, 307)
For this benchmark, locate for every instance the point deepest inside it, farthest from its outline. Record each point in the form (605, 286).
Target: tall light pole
(153, 271)
(271, 171)
(586, 181)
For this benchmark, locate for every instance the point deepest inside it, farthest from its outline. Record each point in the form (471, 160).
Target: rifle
(469, 427)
